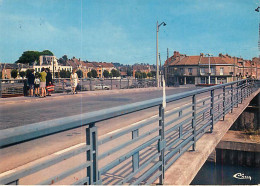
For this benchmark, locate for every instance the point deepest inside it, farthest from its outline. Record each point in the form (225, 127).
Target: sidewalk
(23, 99)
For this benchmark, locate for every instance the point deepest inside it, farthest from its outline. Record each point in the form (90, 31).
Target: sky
(124, 31)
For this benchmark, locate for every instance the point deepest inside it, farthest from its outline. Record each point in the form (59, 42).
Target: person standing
(74, 81)
(48, 80)
(37, 86)
(31, 82)
(43, 82)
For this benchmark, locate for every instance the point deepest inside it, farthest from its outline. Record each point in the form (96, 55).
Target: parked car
(99, 87)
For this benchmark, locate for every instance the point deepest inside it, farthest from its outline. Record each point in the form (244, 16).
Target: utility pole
(160, 68)
(209, 66)
(167, 68)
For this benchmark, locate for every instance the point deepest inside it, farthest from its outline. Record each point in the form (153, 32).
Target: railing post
(194, 109)
(246, 88)
(127, 83)
(120, 83)
(90, 84)
(92, 155)
(135, 157)
(232, 102)
(161, 144)
(237, 94)
(212, 110)
(224, 102)
(111, 84)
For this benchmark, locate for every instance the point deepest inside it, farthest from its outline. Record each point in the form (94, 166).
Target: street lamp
(157, 64)
(209, 65)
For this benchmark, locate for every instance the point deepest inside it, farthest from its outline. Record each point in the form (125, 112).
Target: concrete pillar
(184, 80)
(216, 80)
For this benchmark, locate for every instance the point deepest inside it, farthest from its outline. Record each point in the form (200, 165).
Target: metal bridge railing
(139, 153)
(20, 87)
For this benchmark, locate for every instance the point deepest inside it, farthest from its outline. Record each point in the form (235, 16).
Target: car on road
(101, 87)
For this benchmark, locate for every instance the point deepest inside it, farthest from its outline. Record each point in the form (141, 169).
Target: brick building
(195, 69)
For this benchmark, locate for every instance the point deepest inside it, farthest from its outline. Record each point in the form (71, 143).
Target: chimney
(201, 54)
(176, 54)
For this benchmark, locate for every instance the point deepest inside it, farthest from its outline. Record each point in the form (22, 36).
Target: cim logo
(241, 176)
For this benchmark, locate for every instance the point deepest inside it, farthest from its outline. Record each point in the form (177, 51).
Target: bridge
(168, 147)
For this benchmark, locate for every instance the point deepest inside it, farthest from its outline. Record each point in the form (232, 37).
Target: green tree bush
(29, 57)
(89, 74)
(144, 75)
(94, 73)
(106, 74)
(14, 73)
(80, 73)
(22, 74)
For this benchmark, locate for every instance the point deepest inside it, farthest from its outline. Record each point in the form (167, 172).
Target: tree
(1, 75)
(89, 74)
(94, 73)
(65, 74)
(153, 73)
(63, 59)
(149, 74)
(106, 74)
(14, 73)
(138, 75)
(129, 72)
(80, 73)
(56, 74)
(22, 74)
(47, 53)
(117, 73)
(29, 57)
(110, 75)
(113, 72)
(144, 75)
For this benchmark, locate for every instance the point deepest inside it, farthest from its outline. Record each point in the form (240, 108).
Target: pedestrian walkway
(26, 99)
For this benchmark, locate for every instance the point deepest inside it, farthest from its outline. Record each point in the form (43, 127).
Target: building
(184, 69)
(141, 68)
(100, 67)
(6, 69)
(51, 63)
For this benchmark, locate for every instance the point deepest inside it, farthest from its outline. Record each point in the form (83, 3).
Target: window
(181, 70)
(212, 70)
(190, 71)
(202, 71)
(221, 71)
(202, 80)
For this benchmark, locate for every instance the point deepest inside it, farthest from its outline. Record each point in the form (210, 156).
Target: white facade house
(51, 63)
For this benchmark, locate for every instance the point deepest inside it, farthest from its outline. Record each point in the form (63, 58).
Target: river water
(218, 174)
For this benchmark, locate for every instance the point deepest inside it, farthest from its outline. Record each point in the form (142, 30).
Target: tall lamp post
(257, 10)
(157, 63)
(209, 66)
